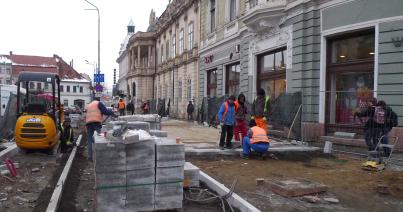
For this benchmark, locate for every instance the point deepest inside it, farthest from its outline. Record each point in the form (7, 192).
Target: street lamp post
(99, 35)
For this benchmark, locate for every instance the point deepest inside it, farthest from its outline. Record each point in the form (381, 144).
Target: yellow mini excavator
(39, 114)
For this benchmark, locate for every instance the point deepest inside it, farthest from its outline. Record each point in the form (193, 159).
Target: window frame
(190, 35)
(209, 84)
(181, 41)
(232, 83)
(173, 46)
(212, 14)
(231, 10)
(68, 88)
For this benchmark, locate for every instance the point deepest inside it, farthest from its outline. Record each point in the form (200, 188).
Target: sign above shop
(208, 59)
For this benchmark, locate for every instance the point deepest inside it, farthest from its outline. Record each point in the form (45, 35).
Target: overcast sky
(63, 27)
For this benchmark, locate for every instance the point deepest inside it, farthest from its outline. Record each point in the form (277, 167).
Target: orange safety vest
(93, 113)
(226, 109)
(121, 105)
(259, 135)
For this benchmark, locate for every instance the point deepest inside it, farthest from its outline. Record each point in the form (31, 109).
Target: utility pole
(99, 37)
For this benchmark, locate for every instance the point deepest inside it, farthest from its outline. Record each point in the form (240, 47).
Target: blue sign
(99, 78)
(99, 88)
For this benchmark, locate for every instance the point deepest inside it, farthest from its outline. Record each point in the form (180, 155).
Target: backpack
(380, 115)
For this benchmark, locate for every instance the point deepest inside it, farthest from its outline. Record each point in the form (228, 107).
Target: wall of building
(123, 71)
(71, 96)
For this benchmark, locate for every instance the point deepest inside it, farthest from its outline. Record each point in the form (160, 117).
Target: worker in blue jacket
(226, 117)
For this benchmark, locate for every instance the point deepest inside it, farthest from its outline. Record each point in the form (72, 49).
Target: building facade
(5, 70)
(177, 69)
(123, 61)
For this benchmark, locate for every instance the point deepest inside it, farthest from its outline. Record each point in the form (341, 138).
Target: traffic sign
(99, 88)
(99, 78)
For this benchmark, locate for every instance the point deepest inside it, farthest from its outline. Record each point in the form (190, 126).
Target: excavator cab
(39, 114)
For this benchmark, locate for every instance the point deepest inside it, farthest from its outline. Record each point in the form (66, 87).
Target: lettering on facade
(208, 59)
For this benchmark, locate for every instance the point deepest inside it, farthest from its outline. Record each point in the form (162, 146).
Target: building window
(39, 86)
(190, 30)
(212, 83)
(232, 10)
(162, 53)
(31, 85)
(68, 88)
(232, 79)
(350, 78)
(74, 89)
(212, 15)
(167, 50)
(46, 85)
(66, 103)
(81, 89)
(61, 88)
(181, 41)
(272, 72)
(174, 46)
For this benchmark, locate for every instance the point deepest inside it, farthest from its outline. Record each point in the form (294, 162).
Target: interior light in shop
(342, 56)
(371, 53)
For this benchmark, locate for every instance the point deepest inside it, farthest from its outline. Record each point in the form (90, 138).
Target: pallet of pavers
(153, 119)
(138, 172)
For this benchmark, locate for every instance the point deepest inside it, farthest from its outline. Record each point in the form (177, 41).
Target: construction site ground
(356, 189)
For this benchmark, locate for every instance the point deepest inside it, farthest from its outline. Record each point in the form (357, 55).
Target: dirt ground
(31, 189)
(356, 189)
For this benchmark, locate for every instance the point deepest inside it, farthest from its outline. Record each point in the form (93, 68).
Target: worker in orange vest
(257, 140)
(93, 118)
(261, 109)
(121, 107)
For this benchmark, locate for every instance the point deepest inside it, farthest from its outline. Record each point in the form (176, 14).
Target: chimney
(11, 53)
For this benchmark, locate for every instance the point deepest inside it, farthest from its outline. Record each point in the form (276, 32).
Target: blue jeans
(258, 147)
(91, 128)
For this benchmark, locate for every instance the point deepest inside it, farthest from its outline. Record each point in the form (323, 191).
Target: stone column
(139, 55)
(149, 56)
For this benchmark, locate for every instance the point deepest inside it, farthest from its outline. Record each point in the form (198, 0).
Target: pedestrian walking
(93, 118)
(260, 109)
(130, 108)
(190, 110)
(226, 116)
(256, 139)
(121, 107)
(240, 117)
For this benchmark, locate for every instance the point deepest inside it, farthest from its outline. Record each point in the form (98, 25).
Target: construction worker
(93, 119)
(121, 107)
(240, 117)
(67, 136)
(226, 116)
(256, 139)
(260, 109)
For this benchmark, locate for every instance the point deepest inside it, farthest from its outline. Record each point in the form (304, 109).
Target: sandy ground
(356, 189)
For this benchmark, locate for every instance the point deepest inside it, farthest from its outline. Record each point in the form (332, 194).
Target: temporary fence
(7, 123)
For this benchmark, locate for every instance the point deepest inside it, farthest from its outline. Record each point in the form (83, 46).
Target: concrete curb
(57, 193)
(235, 200)
(10, 151)
(236, 152)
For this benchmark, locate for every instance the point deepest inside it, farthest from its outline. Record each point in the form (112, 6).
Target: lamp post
(94, 65)
(99, 39)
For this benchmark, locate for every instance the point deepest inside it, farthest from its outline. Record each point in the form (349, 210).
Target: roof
(37, 76)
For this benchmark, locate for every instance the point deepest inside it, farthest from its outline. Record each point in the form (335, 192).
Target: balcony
(264, 15)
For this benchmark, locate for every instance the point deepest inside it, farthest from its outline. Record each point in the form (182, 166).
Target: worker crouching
(67, 136)
(256, 139)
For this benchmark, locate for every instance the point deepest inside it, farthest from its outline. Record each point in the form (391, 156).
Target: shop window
(212, 83)
(350, 81)
(232, 79)
(272, 72)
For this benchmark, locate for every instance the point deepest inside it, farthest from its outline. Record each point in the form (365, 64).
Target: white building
(5, 70)
(123, 61)
(75, 92)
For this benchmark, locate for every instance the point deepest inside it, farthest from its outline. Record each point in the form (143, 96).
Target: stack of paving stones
(153, 119)
(170, 163)
(191, 176)
(136, 172)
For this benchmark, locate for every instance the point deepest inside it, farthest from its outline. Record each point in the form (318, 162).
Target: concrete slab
(169, 153)
(140, 177)
(140, 155)
(169, 174)
(140, 198)
(191, 175)
(139, 125)
(294, 188)
(109, 156)
(158, 133)
(168, 196)
(113, 199)
(110, 179)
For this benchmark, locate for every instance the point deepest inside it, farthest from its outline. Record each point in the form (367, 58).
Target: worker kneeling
(256, 139)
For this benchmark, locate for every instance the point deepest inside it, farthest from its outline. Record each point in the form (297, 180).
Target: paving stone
(140, 176)
(131, 118)
(111, 124)
(168, 196)
(140, 198)
(109, 156)
(140, 155)
(169, 153)
(110, 179)
(159, 133)
(138, 125)
(191, 176)
(113, 199)
(169, 174)
(293, 188)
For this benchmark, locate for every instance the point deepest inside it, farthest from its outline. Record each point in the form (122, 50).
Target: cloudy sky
(65, 28)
